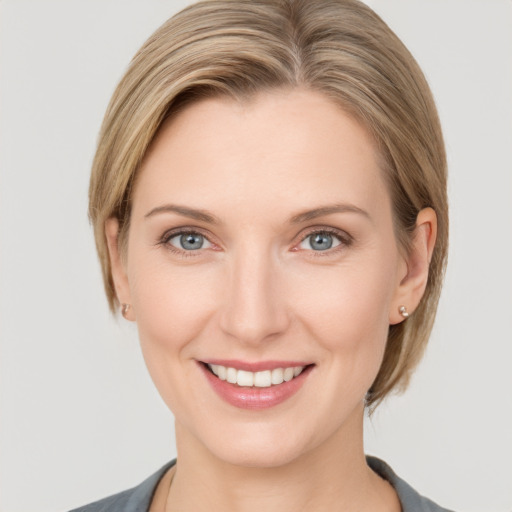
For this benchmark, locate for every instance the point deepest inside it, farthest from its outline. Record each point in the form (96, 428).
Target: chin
(260, 454)
(261, 444)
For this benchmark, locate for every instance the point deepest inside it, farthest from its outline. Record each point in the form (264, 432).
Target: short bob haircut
(238, 48)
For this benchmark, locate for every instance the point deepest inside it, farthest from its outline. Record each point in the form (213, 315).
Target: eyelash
(164, 241)
(344, 238)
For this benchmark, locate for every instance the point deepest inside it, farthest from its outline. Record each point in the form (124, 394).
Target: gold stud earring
(124, 309)
(403, 311)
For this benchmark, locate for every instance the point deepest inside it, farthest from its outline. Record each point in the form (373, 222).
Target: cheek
(346, 311)
(172, 306)
(346, 304)
(172, 303)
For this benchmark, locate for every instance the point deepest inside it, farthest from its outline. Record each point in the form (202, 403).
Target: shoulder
(136, 499)
(410, 499)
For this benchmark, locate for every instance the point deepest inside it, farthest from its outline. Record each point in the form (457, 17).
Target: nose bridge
(254, 309)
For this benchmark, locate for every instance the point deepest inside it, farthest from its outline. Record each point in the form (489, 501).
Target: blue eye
(320, 241)
(189, 241)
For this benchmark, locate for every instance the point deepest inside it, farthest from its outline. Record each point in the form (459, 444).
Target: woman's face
(261, 239)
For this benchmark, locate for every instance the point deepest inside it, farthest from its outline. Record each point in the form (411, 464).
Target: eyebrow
(327, 210)
(192, 213)
(209, 218)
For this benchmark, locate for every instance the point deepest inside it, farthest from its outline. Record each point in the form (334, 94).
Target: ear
(117, 266)
(413, 280)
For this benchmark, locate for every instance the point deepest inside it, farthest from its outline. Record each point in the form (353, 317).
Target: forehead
(286, 147)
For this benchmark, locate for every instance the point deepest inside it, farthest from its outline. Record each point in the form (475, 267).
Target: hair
(237, 48)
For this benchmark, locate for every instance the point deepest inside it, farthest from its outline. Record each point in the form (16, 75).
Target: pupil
(321, 241)
(191, 241)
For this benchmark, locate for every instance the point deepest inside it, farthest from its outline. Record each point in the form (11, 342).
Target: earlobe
(117, 266)
(412, 286)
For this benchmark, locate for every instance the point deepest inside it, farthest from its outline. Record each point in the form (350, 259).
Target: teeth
(277, 376)
(244, 378)
(221, 372)
(231, 375)
(288, 374)
(263, 379)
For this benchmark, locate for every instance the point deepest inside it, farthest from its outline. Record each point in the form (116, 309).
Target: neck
(331, 476)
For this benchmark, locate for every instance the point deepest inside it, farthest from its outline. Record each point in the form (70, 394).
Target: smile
(255, 386)
(262, 379)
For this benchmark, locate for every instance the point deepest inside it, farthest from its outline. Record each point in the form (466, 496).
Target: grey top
(138, 499)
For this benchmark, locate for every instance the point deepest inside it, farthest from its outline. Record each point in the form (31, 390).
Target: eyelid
(184, 230)
(345, 239)
(179, 235)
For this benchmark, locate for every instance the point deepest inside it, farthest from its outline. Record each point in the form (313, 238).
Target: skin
(257, 290)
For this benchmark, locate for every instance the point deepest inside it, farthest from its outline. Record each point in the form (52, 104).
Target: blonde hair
(339, 48)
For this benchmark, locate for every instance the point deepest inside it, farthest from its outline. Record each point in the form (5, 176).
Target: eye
(320, 241)
(189, 241)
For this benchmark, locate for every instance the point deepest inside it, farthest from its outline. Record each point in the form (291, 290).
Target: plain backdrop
(79, 416)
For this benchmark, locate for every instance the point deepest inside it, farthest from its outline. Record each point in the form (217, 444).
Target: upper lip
(257, 366)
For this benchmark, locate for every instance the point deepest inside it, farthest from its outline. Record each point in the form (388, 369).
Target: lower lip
(253, 397)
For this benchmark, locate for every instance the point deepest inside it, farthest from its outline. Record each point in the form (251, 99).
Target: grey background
(79, 416)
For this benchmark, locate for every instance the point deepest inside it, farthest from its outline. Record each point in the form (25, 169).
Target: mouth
(255, 386)
(261, 379)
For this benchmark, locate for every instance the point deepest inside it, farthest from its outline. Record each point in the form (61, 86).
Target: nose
(255, 309)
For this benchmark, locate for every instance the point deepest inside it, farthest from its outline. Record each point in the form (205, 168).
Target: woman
(269, 204)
